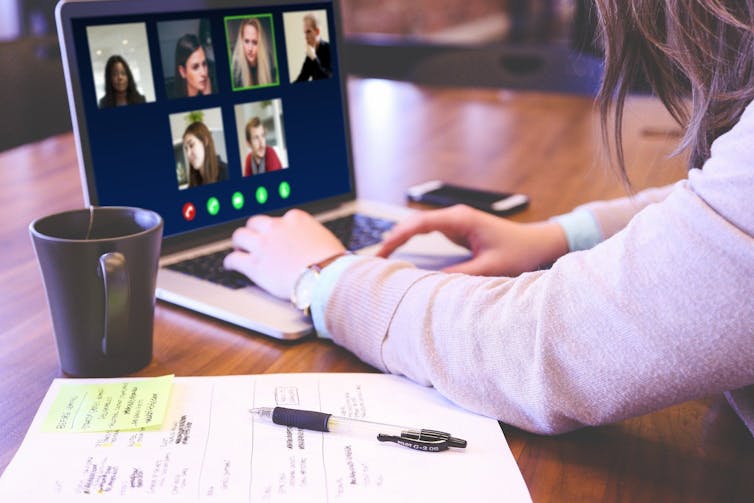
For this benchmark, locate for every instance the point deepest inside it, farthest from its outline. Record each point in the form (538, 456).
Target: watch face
(304, 288)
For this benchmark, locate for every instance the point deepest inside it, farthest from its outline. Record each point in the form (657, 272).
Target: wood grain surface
(544, 145)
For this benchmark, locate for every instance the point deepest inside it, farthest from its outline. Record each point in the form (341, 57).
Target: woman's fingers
(246, 239)
(239, 261)
(453, 222)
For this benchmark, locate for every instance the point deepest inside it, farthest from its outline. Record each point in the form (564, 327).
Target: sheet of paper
(210, 449)
(105, 405)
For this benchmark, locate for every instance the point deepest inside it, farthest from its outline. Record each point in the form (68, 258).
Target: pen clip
(424, 440)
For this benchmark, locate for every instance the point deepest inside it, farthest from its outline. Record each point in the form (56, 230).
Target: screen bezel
(68, 10)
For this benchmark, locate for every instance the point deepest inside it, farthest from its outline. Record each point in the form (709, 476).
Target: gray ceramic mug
(99, 267)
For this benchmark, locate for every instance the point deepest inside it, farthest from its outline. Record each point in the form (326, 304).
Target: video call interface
(211, 116)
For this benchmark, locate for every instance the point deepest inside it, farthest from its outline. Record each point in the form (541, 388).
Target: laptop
(209, 112)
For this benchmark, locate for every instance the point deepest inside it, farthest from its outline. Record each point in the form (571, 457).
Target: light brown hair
(697, 55)
(210, 171)
(253, 123)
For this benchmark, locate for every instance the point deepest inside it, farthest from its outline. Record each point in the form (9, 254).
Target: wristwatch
(303, 289)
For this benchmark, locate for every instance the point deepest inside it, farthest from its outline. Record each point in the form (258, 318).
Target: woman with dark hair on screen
(120, 88)
(649, 299)
(250, 63)
(204, 165)
(192, 73)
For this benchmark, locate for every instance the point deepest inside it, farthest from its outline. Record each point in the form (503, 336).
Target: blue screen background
(131, 146)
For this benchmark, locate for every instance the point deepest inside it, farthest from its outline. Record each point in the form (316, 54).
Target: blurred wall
(33, 102)
(34, 105)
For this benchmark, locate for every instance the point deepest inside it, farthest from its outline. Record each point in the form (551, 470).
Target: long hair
(185, 47)
(698, 56)
(210, 171)
(242, 74)
(132, 94)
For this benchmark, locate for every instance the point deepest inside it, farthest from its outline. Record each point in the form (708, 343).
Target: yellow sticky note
(109, 406)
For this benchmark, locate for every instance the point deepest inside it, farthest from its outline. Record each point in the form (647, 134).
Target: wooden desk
(546, 146)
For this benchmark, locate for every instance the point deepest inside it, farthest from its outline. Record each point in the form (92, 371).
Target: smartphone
(439, 193)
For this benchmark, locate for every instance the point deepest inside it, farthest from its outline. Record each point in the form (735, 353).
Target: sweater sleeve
(613, 215)
(657, 314)
(591, 223)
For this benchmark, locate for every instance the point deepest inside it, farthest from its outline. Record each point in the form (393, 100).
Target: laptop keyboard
(210, 267)
(358, 231)
(354, 231)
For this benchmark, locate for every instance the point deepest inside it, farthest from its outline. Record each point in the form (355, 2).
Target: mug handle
(117, 299)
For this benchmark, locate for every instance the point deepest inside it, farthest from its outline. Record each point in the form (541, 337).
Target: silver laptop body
(149, 174)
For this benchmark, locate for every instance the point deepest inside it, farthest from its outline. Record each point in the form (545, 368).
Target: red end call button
(189, 211)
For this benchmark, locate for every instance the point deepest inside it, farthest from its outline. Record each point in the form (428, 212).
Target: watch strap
(315, 269)
(318, 266)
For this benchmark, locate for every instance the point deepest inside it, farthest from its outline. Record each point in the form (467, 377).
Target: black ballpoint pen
(414, 438)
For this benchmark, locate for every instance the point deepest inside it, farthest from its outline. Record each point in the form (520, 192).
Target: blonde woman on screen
(250, 63)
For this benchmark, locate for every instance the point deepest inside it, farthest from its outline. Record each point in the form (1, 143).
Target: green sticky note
(108, 406)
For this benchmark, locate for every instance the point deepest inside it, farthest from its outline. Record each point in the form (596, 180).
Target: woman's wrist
(551, 241)
(580, 228)
(329, 276)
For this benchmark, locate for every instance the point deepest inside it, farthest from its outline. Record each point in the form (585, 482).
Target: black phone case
(449, 195)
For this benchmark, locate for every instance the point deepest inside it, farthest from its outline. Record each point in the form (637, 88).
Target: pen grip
(305, 419)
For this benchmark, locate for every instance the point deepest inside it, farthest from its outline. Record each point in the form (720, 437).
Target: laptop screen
(208, 113)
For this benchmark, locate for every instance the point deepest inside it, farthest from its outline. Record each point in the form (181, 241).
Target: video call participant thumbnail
(261, 136)
(253, 62)
(121, 64)
(192, 77)
(120, 88)
(188, 58)
(205, 166)
(262, 158)
(317, 63)
(199, 147)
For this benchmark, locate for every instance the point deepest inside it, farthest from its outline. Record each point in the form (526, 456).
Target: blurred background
(517, 44)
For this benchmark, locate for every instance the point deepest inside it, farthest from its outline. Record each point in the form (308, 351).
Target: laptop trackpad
(431, 251)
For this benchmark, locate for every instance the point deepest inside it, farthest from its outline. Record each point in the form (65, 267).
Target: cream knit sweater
(660, 312)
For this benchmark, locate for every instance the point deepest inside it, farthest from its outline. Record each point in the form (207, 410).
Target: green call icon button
(262, 195)
(213, 206)
(237, 200)
(284, 189)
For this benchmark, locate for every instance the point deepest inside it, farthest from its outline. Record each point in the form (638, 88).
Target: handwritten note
(109, 406)
(210, 448)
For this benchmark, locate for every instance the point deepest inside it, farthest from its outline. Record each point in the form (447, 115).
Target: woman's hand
(273, 252)
(499, 247)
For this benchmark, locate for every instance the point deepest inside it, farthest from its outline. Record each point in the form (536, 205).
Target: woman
(250, 64)
(192, 73)
(657, 309)
(205, 166)
(120, 88)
